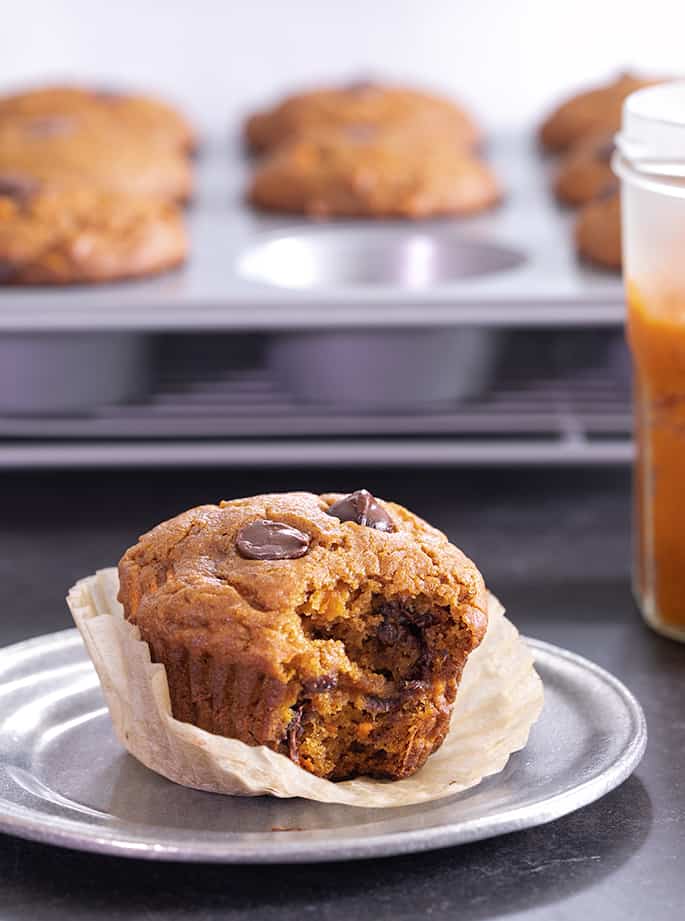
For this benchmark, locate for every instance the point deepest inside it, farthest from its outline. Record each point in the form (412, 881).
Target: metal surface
(352, 256)
(207, 416)
(395, 369)
(70, 372)
(255, 453)
(515, 266)
(65, 780)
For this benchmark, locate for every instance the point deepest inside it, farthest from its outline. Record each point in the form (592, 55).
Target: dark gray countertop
(553, 545)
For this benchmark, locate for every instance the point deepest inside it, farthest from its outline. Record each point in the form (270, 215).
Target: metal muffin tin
(425, 308)
(513, 266)
(71, 372)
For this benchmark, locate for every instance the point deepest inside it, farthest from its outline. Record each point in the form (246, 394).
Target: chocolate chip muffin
(65, 149)
(332, 629)
(360, 104)
(80, 234)
(595, 111)
(598, 230)
(367, 173)
(141, 117)
(585, 171)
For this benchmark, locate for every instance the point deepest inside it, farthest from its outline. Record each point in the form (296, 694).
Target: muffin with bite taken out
(332, 629)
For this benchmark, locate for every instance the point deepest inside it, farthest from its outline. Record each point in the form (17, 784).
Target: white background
(508, 58)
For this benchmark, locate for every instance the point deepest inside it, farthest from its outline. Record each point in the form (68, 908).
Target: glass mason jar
(650, 160)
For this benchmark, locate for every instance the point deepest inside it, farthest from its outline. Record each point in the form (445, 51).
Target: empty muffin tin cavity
(385, 368)
(56, 373)
(412, 258)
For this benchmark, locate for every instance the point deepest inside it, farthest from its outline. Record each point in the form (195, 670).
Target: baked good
(598, 230)
(143, 117)
(361, 172)
(61, 149)
(585, 171)
(594, 111)
(358, 104)
(81, 234)
(332, 629)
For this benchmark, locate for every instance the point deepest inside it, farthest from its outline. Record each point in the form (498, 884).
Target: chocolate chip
(388, 633)
(605, 151)
(380, 704)
(358, 131)
(271, 540)
(49, 126)
(361, 87)
(414, 685)
(19, 188)
(105, 95)
(319, 685)
(607, 191)
(421, 619)
(362, 508)
(293, 733)
(396, 620)
(7, 270)
(395, 613)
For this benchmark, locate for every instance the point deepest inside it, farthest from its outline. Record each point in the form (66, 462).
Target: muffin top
(360, 103)
(65, 148)
(247, 579)
(589, 112)
(140, 116)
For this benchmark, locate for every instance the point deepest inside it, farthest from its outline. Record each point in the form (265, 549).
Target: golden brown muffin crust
(364, 103)
(353, 174)
(347, 658)
(142, 117)
(79, 149)
(594, 111)
(81, 234)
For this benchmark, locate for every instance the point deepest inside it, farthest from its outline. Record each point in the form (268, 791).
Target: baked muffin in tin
(381, 106)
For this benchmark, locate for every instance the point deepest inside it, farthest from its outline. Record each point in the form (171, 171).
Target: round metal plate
(64, 779)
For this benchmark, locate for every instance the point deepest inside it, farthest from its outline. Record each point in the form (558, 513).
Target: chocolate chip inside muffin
(585, 171)
(17, 187)
(286, 621)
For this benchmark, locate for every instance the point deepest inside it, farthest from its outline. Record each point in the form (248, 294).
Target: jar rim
(652, 136)
(663, 179)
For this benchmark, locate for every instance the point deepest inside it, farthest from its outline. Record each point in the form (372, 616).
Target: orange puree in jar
(656, 330)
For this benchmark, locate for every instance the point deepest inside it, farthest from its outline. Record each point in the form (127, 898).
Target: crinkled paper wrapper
(499, 699)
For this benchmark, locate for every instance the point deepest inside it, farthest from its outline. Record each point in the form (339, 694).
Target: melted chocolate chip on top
(105, 95)
(605, 151)
(362, 508)
(358, 132)
(19, 188)
(361, 87)
(271, 540)
(47, 126)
(607, 191)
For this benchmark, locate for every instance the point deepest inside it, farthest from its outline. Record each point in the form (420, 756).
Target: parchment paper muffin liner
(499, 699)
